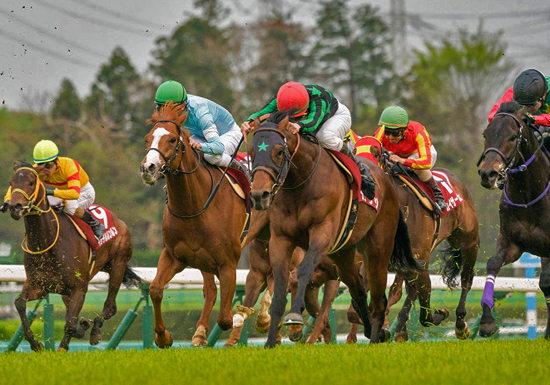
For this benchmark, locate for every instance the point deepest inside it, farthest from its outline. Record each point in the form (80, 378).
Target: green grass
(458, 362)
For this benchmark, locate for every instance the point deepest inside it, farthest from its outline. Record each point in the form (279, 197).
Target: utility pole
(398, 20)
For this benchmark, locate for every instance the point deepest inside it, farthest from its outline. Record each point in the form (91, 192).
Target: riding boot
(368, 185)
(439, 200)
(96, 225)
(239, 166)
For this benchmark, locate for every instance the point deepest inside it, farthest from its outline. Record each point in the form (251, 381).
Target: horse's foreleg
(469, 256)
(228, 284)
(73, 303)
(209, 292)
(424, 290)
(507, 252)
(322, 325)
(167, 268)
(395, 294)
(280, 250)
(401, 333)
(28, 294)
(544, 284)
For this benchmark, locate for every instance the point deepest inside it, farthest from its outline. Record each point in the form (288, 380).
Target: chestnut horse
(57, 259)
(517, 162)
(195, 233)
(308, 212)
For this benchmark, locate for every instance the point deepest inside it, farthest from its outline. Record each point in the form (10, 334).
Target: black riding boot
(96, 225)
(239, 166)
(439, 200)
(367, 183)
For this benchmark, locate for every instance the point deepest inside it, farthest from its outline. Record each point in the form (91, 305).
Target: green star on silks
(263, 146)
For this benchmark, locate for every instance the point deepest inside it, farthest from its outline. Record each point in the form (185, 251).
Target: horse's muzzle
(260, 199)
(489, 178)
(16, 211)
(149, 173)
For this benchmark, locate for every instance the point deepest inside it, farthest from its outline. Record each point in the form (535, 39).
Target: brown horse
(57, 259)
(196, 233)
(308, 212)
(427, 230)
(517, 162)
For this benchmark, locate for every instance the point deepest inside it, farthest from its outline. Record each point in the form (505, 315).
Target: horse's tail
(131, 278)
(402, 259)
(451, 265)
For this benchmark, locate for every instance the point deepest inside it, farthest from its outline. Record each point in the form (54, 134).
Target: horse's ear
(15, 166)
(283, 124)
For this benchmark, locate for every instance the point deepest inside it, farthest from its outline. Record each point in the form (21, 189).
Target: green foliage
(67, 104)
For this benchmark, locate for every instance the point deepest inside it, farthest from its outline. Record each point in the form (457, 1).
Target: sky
(44, 41)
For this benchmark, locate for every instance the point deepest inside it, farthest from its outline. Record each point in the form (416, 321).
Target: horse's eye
(513, 138)
(173, 140)
(32, 183)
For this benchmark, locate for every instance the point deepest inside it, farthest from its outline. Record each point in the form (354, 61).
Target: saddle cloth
(103, 215)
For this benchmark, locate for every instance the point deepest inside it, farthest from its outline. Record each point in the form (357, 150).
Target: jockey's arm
(542, 120)
(213, 145)
(507, 97)
(424, 160)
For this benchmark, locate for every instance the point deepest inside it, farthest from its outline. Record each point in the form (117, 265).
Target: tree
(351, 54)
(67, 105)
(197, 54)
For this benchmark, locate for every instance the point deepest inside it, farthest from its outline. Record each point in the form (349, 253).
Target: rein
(509, 161)
(36, 210)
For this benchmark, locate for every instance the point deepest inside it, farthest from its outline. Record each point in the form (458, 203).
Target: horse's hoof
(293, 319)
(228, 345)
(199, 341)
(464, 333)
(384, 335)
(61, 350)
(401, 336)
(440, 315)
(351, 340)
(164, 341)
(295, 336)
(263, 327)
(38, 347)
(488, 329)
(95, 339)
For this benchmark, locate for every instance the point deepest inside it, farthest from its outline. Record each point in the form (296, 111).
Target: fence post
(124, 326)
(530, 262)
(18, 336)
(49, 325)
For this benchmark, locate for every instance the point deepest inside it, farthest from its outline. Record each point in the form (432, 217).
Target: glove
(49, 192)
(4, 207)
(528, 119)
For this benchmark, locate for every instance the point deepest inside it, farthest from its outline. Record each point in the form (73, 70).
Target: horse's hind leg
(424, 290)
(210, 292)
(401, 333)
(167, 268)
(322, 325)
(116, 276)
(73, 303)
(28, 294)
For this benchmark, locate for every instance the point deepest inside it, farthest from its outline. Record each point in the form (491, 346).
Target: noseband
(165, 168)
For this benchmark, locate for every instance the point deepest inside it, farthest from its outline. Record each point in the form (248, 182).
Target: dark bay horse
(57, 259)
(517, 162)
(309, 211)
(196, 235)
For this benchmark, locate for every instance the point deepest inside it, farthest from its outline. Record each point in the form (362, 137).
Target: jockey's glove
(49, 192)
(528, 119)
(4, 206)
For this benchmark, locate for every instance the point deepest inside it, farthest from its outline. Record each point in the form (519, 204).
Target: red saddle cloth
(356, 183)
(452, 197)
(103, 215)
(239, 177)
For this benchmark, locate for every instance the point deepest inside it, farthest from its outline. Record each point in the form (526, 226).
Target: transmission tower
(398, 20)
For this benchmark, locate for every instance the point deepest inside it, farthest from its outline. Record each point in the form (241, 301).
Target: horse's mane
(510, 107)
(24, 163)
(169, 111)
(277, 116)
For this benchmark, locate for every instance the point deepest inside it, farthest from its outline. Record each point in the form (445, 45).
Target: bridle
(165, 168)
(509, 161)
(34, 209)
(278, 173)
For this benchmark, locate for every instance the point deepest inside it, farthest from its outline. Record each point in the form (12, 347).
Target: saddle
(103, 215)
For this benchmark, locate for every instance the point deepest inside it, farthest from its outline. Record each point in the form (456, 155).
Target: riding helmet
(170, 91)
(394, 118)
(293, 95)
(45, 151)
(529, 87)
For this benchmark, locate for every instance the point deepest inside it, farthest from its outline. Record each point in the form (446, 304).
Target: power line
(46, 51)
(92, 20)
(490, 15)
(47, 33)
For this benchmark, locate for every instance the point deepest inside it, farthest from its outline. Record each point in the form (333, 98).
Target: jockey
(213, 129)
(410, 145)
(321, 114)
(70, 181)
(531, 91)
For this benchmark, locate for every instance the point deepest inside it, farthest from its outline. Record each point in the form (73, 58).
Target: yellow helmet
(45, 151)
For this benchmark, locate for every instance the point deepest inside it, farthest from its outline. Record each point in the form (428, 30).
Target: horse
(201, 225)
(57, 259)
(427, 229)
(514, 160)
(308, 212)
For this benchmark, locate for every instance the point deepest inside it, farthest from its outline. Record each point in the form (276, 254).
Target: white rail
(16, 273)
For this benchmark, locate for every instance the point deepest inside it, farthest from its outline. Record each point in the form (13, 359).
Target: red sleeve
(542, 120)
(507, 97)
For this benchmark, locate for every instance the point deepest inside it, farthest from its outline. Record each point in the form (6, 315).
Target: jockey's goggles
(46, 165)
(395, 133)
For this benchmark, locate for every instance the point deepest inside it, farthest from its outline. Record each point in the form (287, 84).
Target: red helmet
(293, 95)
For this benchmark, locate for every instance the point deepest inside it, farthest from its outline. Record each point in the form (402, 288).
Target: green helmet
(170, 91)
(45, 151)
(394, 118)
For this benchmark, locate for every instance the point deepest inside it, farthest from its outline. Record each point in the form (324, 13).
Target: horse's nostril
(151, 168)
(265, 195)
